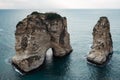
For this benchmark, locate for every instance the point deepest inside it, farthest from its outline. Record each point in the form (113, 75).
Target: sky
(62, 4)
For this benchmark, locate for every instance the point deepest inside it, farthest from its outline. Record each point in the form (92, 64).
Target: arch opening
(49, 55)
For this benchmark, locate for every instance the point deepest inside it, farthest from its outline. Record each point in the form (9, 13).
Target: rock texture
(35, 35)
(102, 42)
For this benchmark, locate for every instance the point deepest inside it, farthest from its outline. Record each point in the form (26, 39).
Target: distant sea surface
(73, 67)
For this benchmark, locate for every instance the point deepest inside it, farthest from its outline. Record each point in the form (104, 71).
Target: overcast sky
(63, 4)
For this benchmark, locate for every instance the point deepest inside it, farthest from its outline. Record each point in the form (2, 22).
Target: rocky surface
(102, 46)
(35, 35)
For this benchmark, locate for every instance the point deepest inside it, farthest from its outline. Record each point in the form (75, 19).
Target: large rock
(35, 35)
(102, 46)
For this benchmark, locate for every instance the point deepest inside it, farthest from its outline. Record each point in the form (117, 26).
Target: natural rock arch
(35, 35)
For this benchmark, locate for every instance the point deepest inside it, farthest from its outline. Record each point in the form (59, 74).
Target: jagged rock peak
(102, 47)
(35, 35)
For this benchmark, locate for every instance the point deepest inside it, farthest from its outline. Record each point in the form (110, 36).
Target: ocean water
(72, 67)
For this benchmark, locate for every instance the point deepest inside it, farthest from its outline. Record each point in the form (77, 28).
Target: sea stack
(35, 35)
(102, 47)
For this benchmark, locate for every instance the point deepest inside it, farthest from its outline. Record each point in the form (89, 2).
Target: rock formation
(102, 46)
(35, 35)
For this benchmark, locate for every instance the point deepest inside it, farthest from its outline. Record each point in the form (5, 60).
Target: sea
(80, 23)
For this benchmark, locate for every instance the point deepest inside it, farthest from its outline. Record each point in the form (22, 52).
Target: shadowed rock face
(102, 42)
(35, 35)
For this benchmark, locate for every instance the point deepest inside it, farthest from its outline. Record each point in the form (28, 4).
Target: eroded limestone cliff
(102, 46)
(35, 35)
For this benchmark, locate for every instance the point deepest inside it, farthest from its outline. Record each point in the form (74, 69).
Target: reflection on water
(58, 67)
(100, 73)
